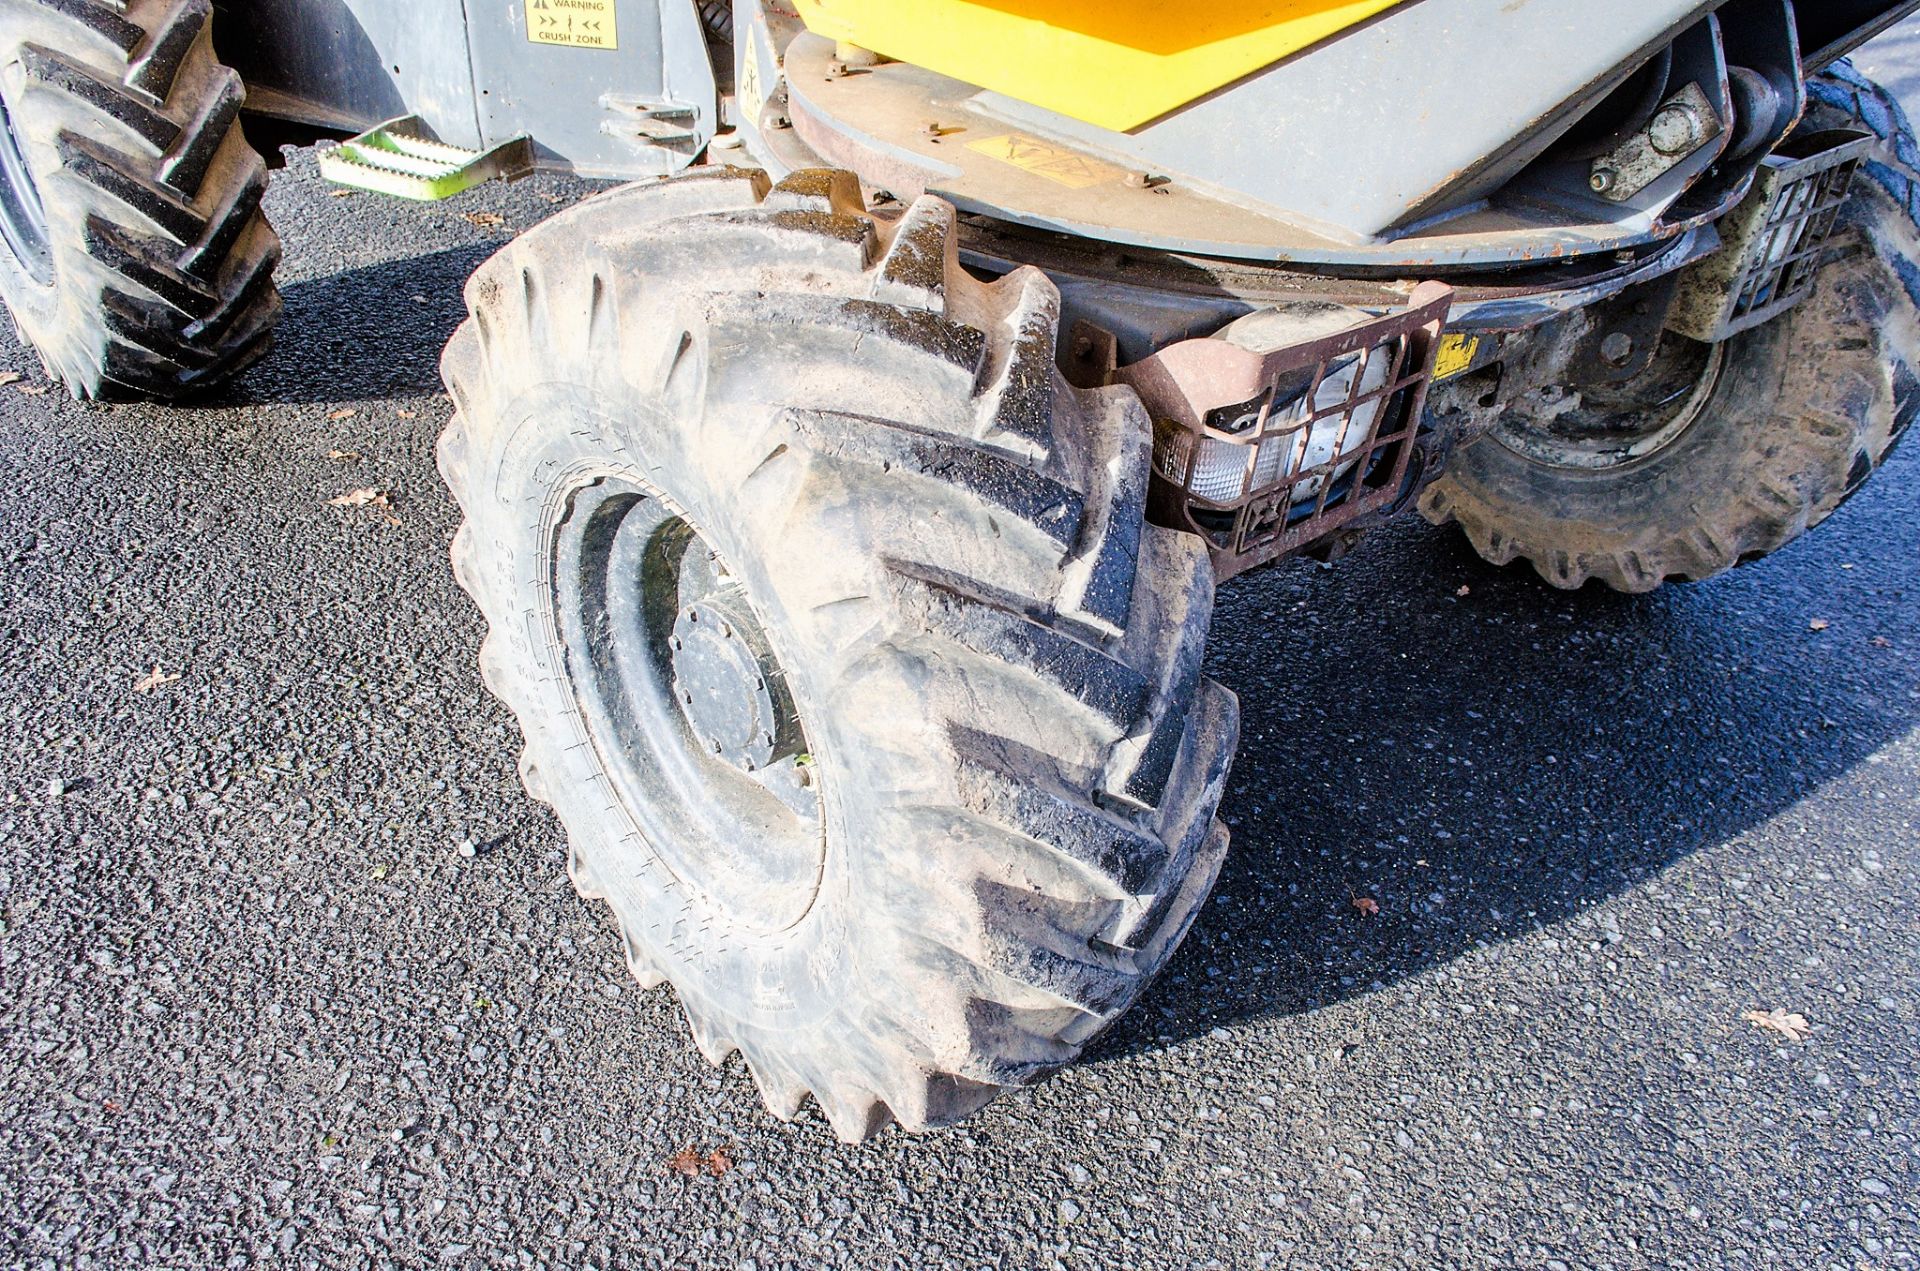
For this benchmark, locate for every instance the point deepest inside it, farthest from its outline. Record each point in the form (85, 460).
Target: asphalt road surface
(258, 1007)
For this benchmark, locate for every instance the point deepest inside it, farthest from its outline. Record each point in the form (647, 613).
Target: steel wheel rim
(23, 216)
(725, 796)
(1668, 423)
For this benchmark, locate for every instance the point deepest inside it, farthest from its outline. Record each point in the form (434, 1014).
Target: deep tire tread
(1801, 463)
(163, 225)
(1062, 884)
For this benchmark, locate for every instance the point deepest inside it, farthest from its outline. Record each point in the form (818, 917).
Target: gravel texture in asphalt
(291, 973)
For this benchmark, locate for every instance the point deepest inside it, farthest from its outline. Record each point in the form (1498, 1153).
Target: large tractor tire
(136, 260)
(870, 704)
(1742, 446)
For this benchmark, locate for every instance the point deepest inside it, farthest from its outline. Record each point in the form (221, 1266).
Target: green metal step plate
(401, 158)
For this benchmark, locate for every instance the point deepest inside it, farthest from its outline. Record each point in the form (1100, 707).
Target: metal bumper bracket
(1774, 242)
(1267, 454)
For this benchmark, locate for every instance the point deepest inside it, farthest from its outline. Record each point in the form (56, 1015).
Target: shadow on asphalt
(366, 333)
(1489, 764)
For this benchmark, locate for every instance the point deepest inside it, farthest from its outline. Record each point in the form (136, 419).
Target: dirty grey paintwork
(469, 70)
(1428, 102)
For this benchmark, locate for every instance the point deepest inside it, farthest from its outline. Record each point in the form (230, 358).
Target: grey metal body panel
(875, 124)
(472, 74)
(349, 64)
(1423, 139)
(1371, 128)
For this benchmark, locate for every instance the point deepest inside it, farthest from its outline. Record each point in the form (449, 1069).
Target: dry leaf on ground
(1366, 905)
(1789, 1024)
(33, 390)
(485, 220)
(1464, 590)
(339, 194)
(9, 377)
(344, 455)
(367, 497)
(408, 414)
(345, 412)
(1818, 624)
(1881, 642)
(152, 680)
(690, 1163)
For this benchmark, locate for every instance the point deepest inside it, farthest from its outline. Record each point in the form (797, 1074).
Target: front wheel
(870, 704)
(1717, 455)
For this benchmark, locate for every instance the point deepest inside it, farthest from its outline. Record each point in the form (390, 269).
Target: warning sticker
(574, 24)
(1454, 355)
(1055, 163)
(752, 95)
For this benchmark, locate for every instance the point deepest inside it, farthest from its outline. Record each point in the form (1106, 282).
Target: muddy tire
(1803, 409)
(870, 704)
(135, 259)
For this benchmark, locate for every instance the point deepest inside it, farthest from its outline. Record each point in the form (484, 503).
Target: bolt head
(1602, 179)
(1674, 130)
(1617, 348)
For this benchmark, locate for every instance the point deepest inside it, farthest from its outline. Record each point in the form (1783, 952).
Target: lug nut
(1602, 180)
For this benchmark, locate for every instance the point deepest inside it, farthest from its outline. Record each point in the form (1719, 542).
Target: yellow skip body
(1114, 63)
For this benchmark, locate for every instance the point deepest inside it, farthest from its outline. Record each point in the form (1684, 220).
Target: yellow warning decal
(1454, 355)
(1055, 163)
(573, 24)
(752, 95)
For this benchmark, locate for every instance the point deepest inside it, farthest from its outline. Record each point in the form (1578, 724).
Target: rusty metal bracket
(1266, 454)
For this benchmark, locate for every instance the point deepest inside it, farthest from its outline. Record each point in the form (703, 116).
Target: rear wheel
(135, 259)
(1719, 454)
(870, 704)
